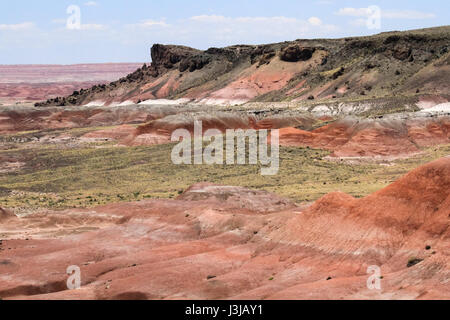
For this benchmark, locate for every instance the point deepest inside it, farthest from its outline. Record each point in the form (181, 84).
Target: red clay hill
(219, 242)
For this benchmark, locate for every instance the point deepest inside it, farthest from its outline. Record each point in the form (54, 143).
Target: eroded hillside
(408, 64)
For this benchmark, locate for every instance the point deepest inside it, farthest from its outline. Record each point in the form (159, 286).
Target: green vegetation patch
(92, 174)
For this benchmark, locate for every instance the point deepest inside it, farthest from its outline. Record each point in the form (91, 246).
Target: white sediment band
(222, 102)
(165, 102)
(124, 103)
(440, 108)
(95, 104)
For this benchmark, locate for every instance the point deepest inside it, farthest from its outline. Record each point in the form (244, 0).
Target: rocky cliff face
(400, 63)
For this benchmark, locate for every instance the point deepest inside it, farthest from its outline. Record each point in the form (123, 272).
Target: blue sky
(123, 31)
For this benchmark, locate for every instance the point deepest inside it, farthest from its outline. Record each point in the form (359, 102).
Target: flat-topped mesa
(410, 64)
(189, 59)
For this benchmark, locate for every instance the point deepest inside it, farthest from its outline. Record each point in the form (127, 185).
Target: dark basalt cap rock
(296, 53)
(194, 63)
(168, 55)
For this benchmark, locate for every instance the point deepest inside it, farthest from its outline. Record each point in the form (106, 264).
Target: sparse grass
(86, 175)
(29, 135)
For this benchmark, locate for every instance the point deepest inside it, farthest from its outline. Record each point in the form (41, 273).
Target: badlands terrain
(86, 177)
(22, 84)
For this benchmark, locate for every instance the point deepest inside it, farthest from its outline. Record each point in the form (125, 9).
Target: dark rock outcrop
(338, 73)
(169, 55)
(296, 53)
(402, 53)
(194, 63)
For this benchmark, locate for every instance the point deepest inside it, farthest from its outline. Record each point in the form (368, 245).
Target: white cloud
(407, 14)
(248, 20)
(222, 30)
(204, 31)
(353, 12)
(265, 19)
(387, 14)
(151, 23)
(219, 30)
(93, 27)
(360, 22)
(59, 21)
(209, 18)
(17, 27)
(315, 21)
(87, 26)
(91, 4)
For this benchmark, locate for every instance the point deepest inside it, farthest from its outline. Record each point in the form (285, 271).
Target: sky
(49, 31)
